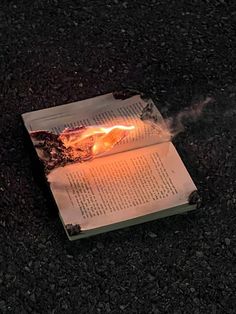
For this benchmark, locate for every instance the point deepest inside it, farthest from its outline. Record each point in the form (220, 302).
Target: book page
(105, 111)
(121, 187)
(64, 115)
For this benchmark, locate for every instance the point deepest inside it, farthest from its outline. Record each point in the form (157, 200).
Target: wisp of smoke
(175, 124)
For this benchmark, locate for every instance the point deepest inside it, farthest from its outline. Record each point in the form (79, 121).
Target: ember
(99, 139)
(76, 145)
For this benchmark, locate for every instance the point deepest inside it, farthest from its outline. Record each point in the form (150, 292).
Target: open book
(141, 178)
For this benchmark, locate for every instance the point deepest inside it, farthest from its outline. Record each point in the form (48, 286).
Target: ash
(148, 114)
(53, 153)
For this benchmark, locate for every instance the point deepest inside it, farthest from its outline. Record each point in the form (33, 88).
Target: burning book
(109, 163)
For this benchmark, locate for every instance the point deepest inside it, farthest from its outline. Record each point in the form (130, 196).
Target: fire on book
(77, 144)
(102, 139)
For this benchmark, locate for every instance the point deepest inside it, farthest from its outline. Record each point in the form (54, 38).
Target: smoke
(175, 124)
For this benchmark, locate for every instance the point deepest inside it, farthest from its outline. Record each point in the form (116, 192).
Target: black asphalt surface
(55, 52)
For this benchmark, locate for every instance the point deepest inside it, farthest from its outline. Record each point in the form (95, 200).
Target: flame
(96, 140)
(111, 136)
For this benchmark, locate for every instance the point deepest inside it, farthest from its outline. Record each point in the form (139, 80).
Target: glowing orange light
(95, 138)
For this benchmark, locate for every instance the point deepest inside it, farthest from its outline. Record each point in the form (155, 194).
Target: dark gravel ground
(53, 52)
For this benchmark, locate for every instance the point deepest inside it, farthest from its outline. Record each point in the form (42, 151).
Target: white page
(62, 115)
(120, 187)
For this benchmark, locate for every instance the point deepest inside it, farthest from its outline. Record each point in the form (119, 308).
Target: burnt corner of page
(127, 93)
(73, 229)
(195, 199)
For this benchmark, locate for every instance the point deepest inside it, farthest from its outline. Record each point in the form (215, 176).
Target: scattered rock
(227, 241)
(199, 254)
(152, 234)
